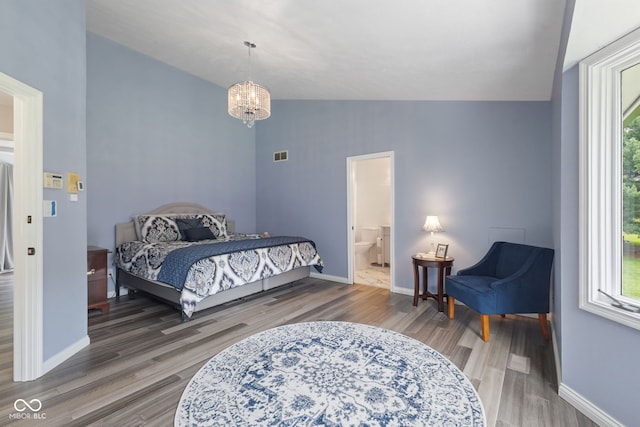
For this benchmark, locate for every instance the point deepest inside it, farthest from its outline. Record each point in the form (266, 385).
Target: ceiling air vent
(281, 156)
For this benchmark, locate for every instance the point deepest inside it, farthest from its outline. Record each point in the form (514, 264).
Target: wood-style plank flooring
(141, 355)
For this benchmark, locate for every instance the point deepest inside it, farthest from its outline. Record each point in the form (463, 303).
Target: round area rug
(329, 373)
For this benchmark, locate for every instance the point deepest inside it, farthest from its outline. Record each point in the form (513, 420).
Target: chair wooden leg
(451, 303)
(484, 326)
(542, 318)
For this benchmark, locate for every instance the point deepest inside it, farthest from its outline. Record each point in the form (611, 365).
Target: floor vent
(281, 156)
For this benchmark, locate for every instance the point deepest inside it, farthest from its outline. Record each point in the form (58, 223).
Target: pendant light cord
(250, 46)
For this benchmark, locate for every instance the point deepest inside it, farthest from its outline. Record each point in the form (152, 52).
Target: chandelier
(248, 100)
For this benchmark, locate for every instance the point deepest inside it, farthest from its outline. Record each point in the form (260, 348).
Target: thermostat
(52, 180)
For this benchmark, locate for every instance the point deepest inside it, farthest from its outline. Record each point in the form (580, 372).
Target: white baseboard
(60, 357)
(583, 405)
(556, 353)
(578, 401)
(403, 291)
(123, 291)
(329, 277)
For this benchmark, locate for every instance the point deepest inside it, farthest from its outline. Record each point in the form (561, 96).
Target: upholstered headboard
(126, 232)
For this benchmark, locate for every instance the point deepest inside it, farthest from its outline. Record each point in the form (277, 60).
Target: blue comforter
(178, 262)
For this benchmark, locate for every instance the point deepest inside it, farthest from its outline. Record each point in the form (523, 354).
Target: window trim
(600, 166)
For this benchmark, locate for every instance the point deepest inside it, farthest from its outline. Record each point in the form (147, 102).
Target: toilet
(368, 236)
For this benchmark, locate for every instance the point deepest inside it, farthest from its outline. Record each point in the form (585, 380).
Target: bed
(191, 257)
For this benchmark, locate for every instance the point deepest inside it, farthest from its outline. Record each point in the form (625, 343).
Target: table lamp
(432, 225)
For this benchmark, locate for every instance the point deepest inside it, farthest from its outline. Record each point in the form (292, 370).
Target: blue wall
(475, 164)
(42, 44)
(157, 135)
(599, 357)
(559, 191)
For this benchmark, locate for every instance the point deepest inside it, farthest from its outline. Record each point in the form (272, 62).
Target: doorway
(6, 183)
(370, 193)
(27, 229)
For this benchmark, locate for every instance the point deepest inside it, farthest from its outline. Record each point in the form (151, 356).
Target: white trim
(583, 405)
(28, 276)
(556, 353)
(345, 280)
(331, 278)
(123, 291)
(600, 159)
(404, 291)
(594, 413)
(63, 355)
(350, 212)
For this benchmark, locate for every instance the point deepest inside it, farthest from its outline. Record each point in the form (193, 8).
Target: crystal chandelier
(248, 100)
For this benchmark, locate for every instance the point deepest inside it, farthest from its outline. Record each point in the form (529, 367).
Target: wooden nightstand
(97, 278)
(444, 269)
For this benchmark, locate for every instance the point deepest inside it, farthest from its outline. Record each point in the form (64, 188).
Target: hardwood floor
(142, 356)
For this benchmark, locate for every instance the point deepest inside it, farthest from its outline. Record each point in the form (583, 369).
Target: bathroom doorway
(370, 219)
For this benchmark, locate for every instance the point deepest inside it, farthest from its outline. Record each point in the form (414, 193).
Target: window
(631, 183)
(608, 179)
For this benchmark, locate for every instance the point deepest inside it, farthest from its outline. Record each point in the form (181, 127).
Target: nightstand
(97, 278)
(443, 265)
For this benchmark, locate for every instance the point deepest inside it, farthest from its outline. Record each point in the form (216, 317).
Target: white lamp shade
(432, 224)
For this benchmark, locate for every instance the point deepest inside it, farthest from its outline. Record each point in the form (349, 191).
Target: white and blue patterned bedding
(217, 273)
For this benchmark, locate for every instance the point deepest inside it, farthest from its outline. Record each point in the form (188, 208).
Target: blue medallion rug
(329, 374)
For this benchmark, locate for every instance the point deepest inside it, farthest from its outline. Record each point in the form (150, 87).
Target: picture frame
(441, 250)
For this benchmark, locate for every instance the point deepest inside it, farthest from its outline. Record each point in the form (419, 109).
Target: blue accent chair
(511, 278)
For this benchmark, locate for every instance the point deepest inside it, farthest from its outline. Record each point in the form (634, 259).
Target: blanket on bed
(176, 265)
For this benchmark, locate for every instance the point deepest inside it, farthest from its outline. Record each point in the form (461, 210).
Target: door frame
(28, 269)
(351, 183)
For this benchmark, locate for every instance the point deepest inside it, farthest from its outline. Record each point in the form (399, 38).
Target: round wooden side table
(444, 267)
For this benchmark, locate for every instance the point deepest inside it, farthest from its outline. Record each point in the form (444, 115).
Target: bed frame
(126, 232)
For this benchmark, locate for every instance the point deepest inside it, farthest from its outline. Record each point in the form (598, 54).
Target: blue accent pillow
(196, 234)
(185, 224)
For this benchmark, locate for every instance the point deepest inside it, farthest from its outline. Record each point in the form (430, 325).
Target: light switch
(50, 208)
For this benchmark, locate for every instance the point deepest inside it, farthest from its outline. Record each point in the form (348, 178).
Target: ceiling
(349, 49)
(597, 23)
